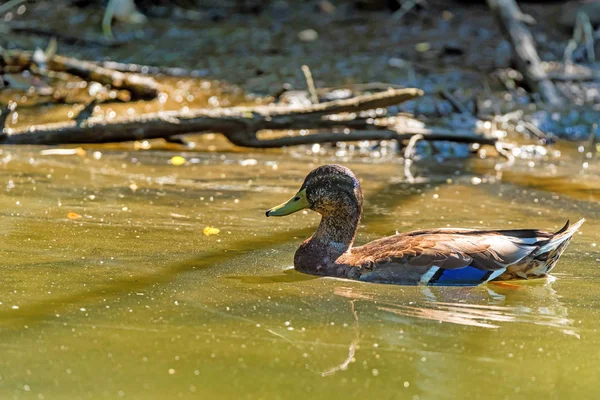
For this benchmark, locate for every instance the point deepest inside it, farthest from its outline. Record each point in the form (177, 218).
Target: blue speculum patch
(461, 276)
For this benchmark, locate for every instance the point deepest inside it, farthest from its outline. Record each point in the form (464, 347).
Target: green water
(133, 301)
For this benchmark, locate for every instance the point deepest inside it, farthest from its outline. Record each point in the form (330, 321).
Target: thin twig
(591, 144)
(5, 112)
(582, 33)
(405, 7)
(87, 111)
(588, 34)
(109, 13)
(537, 132)
(505, 153)
(457, 104)
(408, 156)
(363, 102)
(310, 83)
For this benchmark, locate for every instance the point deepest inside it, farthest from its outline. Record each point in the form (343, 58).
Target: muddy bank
(447, 46)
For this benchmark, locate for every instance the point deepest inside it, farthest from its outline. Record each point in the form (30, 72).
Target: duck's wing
(445, 257)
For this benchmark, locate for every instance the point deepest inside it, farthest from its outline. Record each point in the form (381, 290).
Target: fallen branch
(239, 124)
(398, 134)
(153, 70)
(355, 104)
(509, 17)
(140, 87)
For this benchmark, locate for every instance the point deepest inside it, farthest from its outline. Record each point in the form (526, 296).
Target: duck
(432, 257)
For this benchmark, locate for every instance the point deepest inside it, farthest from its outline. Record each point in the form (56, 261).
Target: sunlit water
(132, 300)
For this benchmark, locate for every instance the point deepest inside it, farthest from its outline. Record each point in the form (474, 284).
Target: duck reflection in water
(486, 306)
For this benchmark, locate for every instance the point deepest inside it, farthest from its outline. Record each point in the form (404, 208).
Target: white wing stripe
(496, 274)
(426, 277)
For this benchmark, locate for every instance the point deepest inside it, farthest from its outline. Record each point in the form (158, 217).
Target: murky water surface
(132, 300)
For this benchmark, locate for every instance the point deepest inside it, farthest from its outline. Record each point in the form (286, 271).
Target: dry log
(509, 17)
(239, 124)
(140, 87)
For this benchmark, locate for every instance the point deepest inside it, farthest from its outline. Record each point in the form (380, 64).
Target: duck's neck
(335, 235)
(338, 229)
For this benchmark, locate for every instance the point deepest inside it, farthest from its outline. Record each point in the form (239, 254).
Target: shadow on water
(583, 191)
(286, 276)
(31, 313)
(568, 181)
(387, 198)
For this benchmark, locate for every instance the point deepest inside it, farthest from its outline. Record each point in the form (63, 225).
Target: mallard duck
(426, 257)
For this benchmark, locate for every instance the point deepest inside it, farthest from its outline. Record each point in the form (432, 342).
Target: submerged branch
(431, 134)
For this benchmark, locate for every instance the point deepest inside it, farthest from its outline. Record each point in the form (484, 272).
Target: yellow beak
(296, 203)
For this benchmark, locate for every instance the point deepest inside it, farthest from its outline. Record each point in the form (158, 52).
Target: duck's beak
(296, 203)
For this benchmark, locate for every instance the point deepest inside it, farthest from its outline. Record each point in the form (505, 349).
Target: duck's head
(327, 189)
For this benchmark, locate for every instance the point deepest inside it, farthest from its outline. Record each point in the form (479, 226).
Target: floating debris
(64, 152)
(73, 216)
(248, 162)
(177, 161)
(209, 230)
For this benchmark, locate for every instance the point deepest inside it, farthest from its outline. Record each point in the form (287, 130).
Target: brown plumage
(433, 257)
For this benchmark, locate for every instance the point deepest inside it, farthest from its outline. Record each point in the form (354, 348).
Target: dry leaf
(209, 230)
(177, 160)
(73, 215)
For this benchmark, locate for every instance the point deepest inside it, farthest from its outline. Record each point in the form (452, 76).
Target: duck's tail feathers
(561, 236)
(550, 251)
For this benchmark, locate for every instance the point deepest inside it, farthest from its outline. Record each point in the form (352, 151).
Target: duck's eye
(296, 198)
